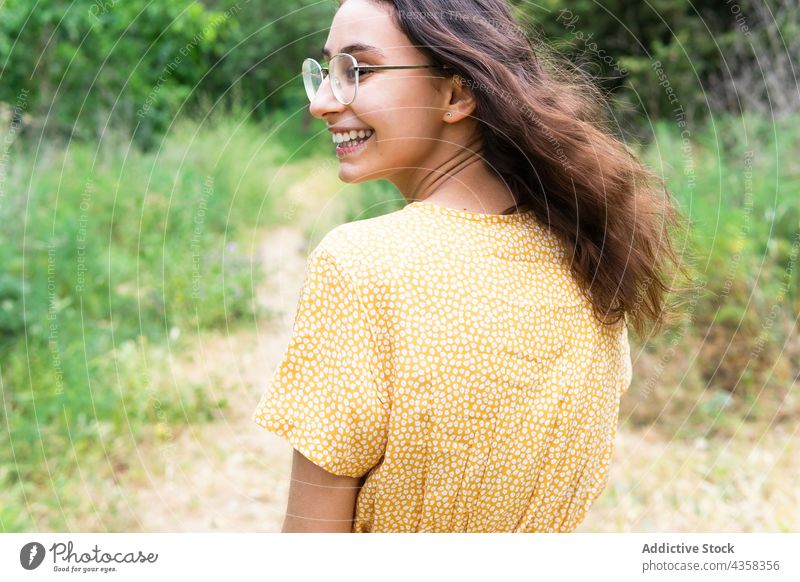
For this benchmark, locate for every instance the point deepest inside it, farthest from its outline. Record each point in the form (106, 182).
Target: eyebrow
(355, 48)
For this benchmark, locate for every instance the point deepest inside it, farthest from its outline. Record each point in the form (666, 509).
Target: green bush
(78, 68)
(738, 340)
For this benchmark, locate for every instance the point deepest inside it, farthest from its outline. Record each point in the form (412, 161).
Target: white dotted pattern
(451, 357)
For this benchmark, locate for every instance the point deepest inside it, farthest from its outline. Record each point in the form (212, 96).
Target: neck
(462, 180)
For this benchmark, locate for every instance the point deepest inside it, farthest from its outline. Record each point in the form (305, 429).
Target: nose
(324, 101)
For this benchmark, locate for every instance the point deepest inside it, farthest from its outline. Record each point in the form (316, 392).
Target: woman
(456, 366)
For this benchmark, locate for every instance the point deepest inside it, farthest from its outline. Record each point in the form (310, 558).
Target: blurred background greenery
(146, 145)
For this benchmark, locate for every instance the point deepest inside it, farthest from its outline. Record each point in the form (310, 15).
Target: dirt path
(229, 475)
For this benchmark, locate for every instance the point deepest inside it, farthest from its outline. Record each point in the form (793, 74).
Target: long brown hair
(544, 132)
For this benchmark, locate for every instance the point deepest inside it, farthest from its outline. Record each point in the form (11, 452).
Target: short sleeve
(327, 395)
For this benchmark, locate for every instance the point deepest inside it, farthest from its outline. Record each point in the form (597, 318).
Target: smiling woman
(457, 365)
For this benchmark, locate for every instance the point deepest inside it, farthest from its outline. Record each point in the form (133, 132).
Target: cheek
(396, 109)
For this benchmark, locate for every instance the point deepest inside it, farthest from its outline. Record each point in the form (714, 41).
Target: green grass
(109, 255)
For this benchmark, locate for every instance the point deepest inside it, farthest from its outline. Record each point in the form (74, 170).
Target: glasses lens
(312, 77)
(344, 78)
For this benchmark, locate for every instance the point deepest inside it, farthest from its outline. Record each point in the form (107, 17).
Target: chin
(348, 177)
(351, 175)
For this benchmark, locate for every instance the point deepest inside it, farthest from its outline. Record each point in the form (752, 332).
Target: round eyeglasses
(344, 71)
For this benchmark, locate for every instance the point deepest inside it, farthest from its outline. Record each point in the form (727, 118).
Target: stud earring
(449, 114)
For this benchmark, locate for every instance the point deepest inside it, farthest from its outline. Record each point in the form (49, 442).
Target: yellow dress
(451, 357)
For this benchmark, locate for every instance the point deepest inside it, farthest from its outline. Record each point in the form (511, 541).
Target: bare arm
(319, 501)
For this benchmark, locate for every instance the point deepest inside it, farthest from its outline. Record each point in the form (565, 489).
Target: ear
(460, 99)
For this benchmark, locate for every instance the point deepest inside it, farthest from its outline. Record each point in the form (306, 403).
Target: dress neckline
(477, 216)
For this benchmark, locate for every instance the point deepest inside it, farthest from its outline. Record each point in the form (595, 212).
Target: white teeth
(341, 137)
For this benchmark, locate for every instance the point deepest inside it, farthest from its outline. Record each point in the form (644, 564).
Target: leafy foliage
(135, 65)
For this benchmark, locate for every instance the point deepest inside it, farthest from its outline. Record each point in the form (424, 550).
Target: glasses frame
(358, 69)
